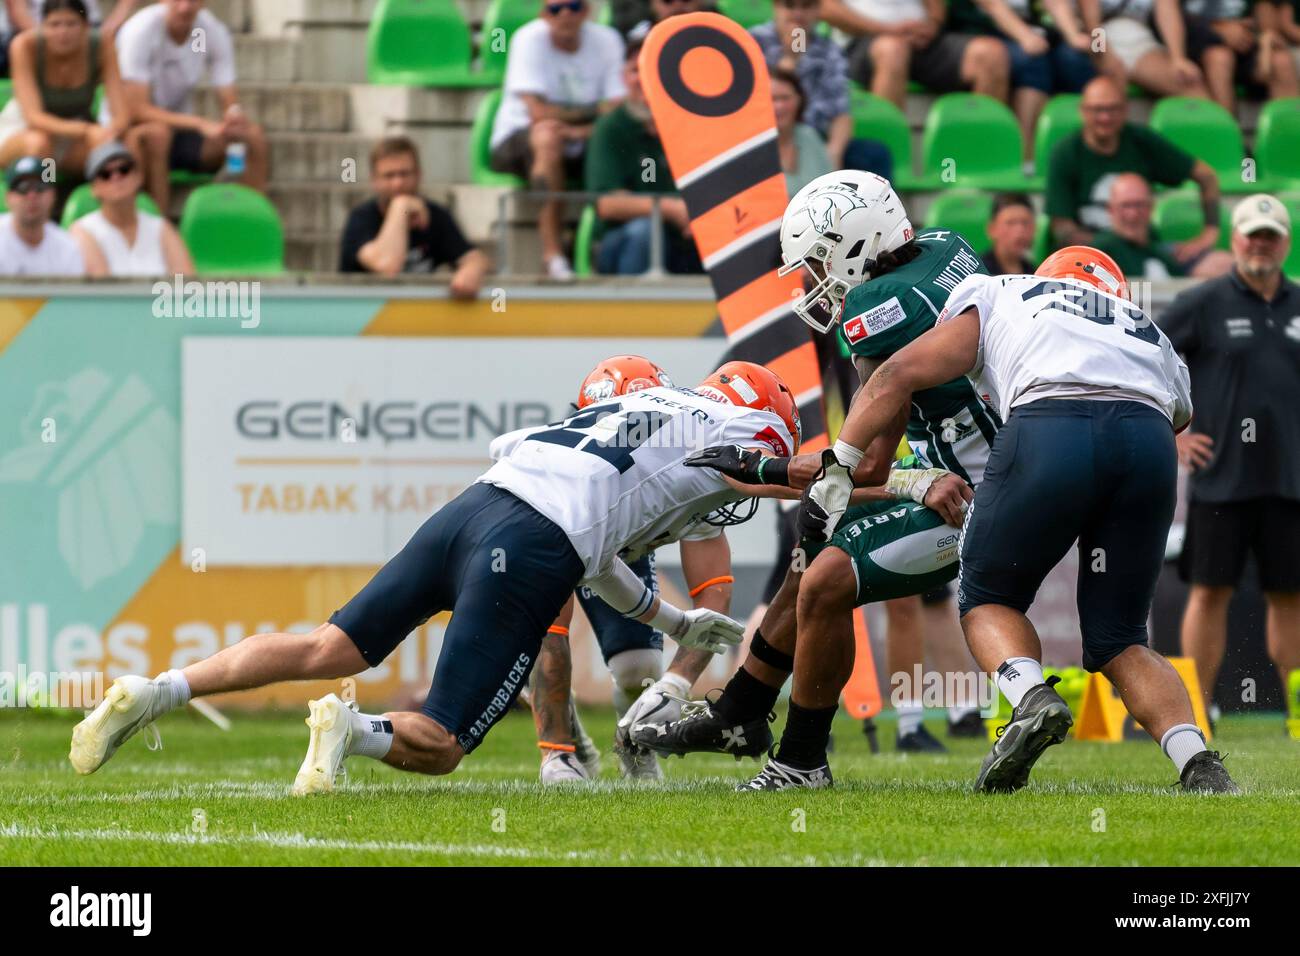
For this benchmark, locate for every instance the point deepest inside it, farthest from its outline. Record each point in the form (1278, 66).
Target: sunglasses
(573, 6)
(117, 169)
(26, 187)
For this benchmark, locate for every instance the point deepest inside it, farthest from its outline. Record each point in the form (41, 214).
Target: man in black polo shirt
(1240, 335)
(399, 231)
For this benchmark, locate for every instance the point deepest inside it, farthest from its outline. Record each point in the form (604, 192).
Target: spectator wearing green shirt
(1132, 242)
(1083, 167)
(625, 163)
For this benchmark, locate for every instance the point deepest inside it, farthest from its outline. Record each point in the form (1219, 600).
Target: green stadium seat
(1292, 265)
(233, 230)
(966, 211)
(1059, 119)
(82, 202)
(421, 43)
(1177, 217)
(582, 242)
(1277, 144)
(971, 140)
(874, 117)
(748, 13)
(184, 177)
(505, 16)
(480, 146)
(6, 92)
(1207, 131)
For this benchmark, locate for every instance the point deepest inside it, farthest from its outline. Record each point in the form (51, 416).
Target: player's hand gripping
(705, 630)
(827, 497)
(659, 703)
(748, 466)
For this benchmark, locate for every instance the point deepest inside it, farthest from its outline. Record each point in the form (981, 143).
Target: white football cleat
(638, 764)
(130, 704)
(331, 732)
(560, 767)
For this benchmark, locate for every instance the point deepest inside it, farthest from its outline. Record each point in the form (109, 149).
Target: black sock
(745, 698)
(803, 745)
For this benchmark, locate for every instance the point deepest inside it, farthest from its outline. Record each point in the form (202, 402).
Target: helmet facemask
(822, 305)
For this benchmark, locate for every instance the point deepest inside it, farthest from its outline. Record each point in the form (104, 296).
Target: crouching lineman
(504, 557)
(632, 649)
(1092, 393)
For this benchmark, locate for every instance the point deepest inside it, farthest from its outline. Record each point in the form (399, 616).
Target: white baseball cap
(1261, 211)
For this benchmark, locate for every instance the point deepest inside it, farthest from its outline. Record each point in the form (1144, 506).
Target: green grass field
(213, 798)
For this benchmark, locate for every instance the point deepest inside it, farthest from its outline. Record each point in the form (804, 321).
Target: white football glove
(659, 703)
(827, 498)
(705, 630)
(913, 483)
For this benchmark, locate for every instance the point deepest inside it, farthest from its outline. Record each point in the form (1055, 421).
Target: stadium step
(260, 59)
(325, 158)
(301, 107)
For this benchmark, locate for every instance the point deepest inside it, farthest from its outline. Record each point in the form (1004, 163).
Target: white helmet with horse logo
(836, 227)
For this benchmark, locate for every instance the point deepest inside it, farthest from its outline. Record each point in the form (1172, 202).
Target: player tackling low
(557, 510)
(1092, 393)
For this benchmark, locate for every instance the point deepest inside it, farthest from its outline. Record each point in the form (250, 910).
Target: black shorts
(1064, 470)
(614, 632)
(504, 571)
(937, 67)
(514, 155)
(1219, 536)
(187, 152)
(1201, 35)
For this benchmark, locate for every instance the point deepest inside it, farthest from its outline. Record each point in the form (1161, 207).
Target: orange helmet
(1085, 264)
(754, 386)
(619, 375)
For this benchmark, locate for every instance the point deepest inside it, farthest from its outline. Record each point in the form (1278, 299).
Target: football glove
(659, 703)
(746, 465)
(826, 498)
(706, 630)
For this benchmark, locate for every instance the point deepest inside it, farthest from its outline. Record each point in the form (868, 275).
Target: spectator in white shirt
(118, 239)
(31, 245)
(561, 73)
(165, 51)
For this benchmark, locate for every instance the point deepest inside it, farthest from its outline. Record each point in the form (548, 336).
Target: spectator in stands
(1132, 243)
(19, 15)
(161, 67)
(803, 154)
(898, 39)
(626, 165)
(1239, 337)
(1280, 16)
(1126, 25)
(791, 43)
(1087, 55)
(1084, 165)
(1223, 37)
(1011, 235)
(118, 239)
(652, 12)
(56, 68)
(562, 72)
(31, 245)
(399, 231)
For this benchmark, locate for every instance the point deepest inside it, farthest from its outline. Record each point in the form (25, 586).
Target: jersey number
(1095, 308)
(626, 432)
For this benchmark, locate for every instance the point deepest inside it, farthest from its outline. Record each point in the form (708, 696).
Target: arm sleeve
(1170, 164)
(977, 292)
(354, 237)
(613, 87)
(221, 54)
(1182, 380)
(133, 49)
(623, 590)
(525, 69)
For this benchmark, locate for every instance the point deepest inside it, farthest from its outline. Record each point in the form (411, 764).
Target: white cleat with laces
(130, 704)
(330, 721)
(560, 767)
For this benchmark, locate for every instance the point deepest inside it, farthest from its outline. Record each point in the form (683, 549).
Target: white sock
(1181, 743)
(372, 735)
(958, 711)
(174, 688)
(909, 717)
(1016, 675)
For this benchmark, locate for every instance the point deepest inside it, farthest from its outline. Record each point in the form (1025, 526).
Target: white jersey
(1061, 338)
(612, 477)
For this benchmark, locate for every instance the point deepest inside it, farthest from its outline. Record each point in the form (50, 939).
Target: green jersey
(950, 426)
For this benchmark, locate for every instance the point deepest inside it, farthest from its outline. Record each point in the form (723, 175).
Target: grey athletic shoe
(1042, 719)
(1205, 773)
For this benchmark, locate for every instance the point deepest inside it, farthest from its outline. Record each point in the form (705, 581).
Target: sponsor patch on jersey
(769, 437)
(874, 321)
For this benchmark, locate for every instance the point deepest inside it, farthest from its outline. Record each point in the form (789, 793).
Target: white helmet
(843, 221)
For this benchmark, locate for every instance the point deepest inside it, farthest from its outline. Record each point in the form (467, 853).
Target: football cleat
(702, 730)
(1205, 773)
(637, 763)
(970, 725)
(327, 747)
(560, 767)
(131, 703)
(1042, 719)
(919, 741)
(778, 776)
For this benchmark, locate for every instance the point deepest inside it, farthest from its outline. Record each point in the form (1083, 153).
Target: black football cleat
(919, 741)
(971, 725)
(702, 730)
(1042, 719)
(1205, 773)
(779, 776)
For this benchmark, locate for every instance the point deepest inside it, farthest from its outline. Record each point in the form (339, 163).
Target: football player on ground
(632, 650)
(883, 287)
(1092, 393)
(505, 556)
